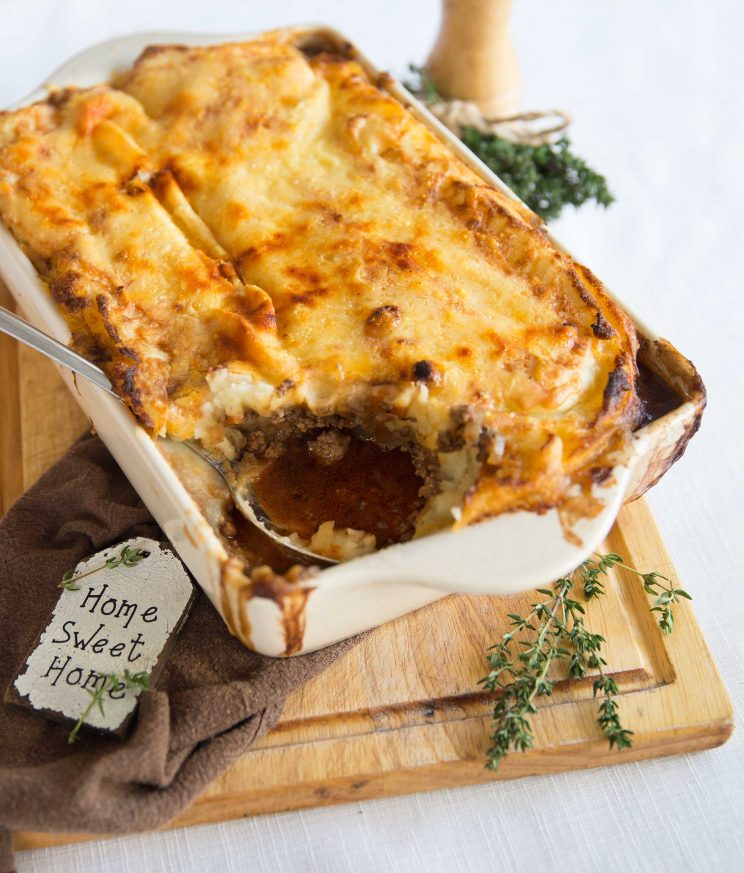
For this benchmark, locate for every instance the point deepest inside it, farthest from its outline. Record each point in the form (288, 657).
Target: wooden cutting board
(402, 712)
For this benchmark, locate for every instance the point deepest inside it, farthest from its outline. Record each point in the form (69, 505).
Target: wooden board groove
(402, 712)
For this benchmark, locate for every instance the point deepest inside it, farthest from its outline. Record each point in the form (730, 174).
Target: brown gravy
(656, 397)
(255, 547)
(368, 489)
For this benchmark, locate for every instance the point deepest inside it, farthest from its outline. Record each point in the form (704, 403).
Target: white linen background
(654, 88)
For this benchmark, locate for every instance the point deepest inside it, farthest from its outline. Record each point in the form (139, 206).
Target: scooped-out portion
(339, 487)
(336, 492)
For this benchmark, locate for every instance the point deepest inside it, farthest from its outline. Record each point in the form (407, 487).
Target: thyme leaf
(68, 583)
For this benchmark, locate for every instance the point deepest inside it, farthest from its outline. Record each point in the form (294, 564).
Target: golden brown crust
(248, 227)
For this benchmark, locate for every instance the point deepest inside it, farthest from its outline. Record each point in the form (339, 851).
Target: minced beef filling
(306, 471)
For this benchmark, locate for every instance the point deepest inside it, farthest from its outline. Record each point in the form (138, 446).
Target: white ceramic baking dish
(510, 553)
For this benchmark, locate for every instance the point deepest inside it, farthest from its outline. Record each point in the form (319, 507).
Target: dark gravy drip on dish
(255, 547)
(367, 489)
(655, 396)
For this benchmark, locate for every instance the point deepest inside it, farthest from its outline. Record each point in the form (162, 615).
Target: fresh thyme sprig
(519, 679)
(127, 557)
(653, 583)
(554, 630)
(608, 717)
(110, 682)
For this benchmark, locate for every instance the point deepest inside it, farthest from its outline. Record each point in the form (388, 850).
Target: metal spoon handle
(52, 348)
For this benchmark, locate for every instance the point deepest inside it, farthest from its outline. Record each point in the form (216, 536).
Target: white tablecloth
(655, 92)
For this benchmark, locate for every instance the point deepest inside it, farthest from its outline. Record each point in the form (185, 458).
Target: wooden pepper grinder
(473, 57)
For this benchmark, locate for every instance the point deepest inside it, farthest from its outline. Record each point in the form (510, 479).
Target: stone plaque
(111, 624)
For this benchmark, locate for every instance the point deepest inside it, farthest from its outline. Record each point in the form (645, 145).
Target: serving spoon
(244, 497)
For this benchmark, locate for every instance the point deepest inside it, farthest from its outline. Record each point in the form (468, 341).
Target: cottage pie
(268, 253)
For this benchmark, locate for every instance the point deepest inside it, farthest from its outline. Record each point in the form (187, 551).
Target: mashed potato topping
(255, 240)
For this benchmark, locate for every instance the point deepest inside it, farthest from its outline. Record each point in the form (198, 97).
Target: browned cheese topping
(247, 229)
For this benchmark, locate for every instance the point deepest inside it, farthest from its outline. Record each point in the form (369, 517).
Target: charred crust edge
(617, 386)
(602, 328)
(63, 292)
(325, 44)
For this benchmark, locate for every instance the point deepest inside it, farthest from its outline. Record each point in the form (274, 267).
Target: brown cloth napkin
(212, 700)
